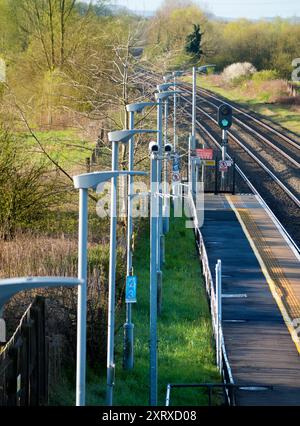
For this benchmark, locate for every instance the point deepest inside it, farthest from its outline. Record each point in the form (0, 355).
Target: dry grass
(270, 91)
(29, 255)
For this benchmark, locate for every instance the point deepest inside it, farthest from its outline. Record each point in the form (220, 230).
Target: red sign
(205, 154)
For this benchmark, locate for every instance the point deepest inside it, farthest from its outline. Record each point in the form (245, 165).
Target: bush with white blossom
(238, 70)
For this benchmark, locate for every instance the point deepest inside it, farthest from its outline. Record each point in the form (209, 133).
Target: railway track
(267, 159)
(234, 137)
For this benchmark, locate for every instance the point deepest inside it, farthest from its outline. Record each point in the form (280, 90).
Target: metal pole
(128, 358)
(159, 179)
(202, 165)
(220, 315)
(194, 103)
(224, 153)
(166, 192)
(112, 279)
(190, 163)
(130, 193)
(197, 187)
(82, 298)
(216, 175)
(175, 184)
(175, 117)
(194, 126)
(218, 310)
(233, 177)
(224, 144)
(154, 233)
(168, 395)
(217, 313)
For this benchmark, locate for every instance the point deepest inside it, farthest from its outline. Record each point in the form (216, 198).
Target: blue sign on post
(131, 287)
(176, 163)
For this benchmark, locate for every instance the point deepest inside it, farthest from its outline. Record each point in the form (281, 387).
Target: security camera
(153, 147)
(168, 148)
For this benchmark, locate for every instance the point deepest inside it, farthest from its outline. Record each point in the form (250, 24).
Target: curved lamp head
(139, 107)
(204, 68)
(92, 180)
(177, 73)
(167, 77)
(163, 87)
(12, 286)
(124, 136)
(165, 95)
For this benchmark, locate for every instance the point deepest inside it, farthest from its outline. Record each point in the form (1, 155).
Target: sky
(252, 9)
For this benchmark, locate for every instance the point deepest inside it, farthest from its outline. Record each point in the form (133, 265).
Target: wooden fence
(292, 89)
(24, 361)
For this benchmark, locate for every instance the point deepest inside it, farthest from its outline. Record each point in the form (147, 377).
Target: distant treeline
(267, 44)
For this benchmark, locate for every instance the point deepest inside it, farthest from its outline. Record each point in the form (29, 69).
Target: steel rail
(256, 120)
(253, 189)
(262, 137)
(256, 159)
(243, 175)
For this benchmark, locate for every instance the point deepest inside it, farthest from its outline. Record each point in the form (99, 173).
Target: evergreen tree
(193, 42)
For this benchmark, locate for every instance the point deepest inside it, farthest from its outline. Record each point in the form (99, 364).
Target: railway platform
(261, 297)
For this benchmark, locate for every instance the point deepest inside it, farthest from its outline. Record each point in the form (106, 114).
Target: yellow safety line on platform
(245, 219)
(284, 289)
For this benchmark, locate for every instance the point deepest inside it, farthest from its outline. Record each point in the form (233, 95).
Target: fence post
(233, 177)
(216, 175)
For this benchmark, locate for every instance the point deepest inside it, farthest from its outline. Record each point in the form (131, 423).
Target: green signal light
(225, 122)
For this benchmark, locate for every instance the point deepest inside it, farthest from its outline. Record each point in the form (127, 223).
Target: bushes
(27, 191)
(239, 70)
(265, 75)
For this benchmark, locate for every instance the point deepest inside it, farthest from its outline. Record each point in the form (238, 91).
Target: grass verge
(186, 348)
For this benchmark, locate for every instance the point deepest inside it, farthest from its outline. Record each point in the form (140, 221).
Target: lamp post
(161, 88)
(155, 275)
(128, 357)
(84, 183)
(160, 97)
(121, 136)
(154, 236)
(175, 75)
(203, 69)
(10, 287)
(167, 78)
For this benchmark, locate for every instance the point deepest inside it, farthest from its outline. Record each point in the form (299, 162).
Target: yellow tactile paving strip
(279, 283)
(283, 286)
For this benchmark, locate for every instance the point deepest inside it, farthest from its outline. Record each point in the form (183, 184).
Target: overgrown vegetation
(69, 79)
(186, 348)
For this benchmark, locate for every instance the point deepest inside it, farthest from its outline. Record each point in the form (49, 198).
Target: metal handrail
(227, 387)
